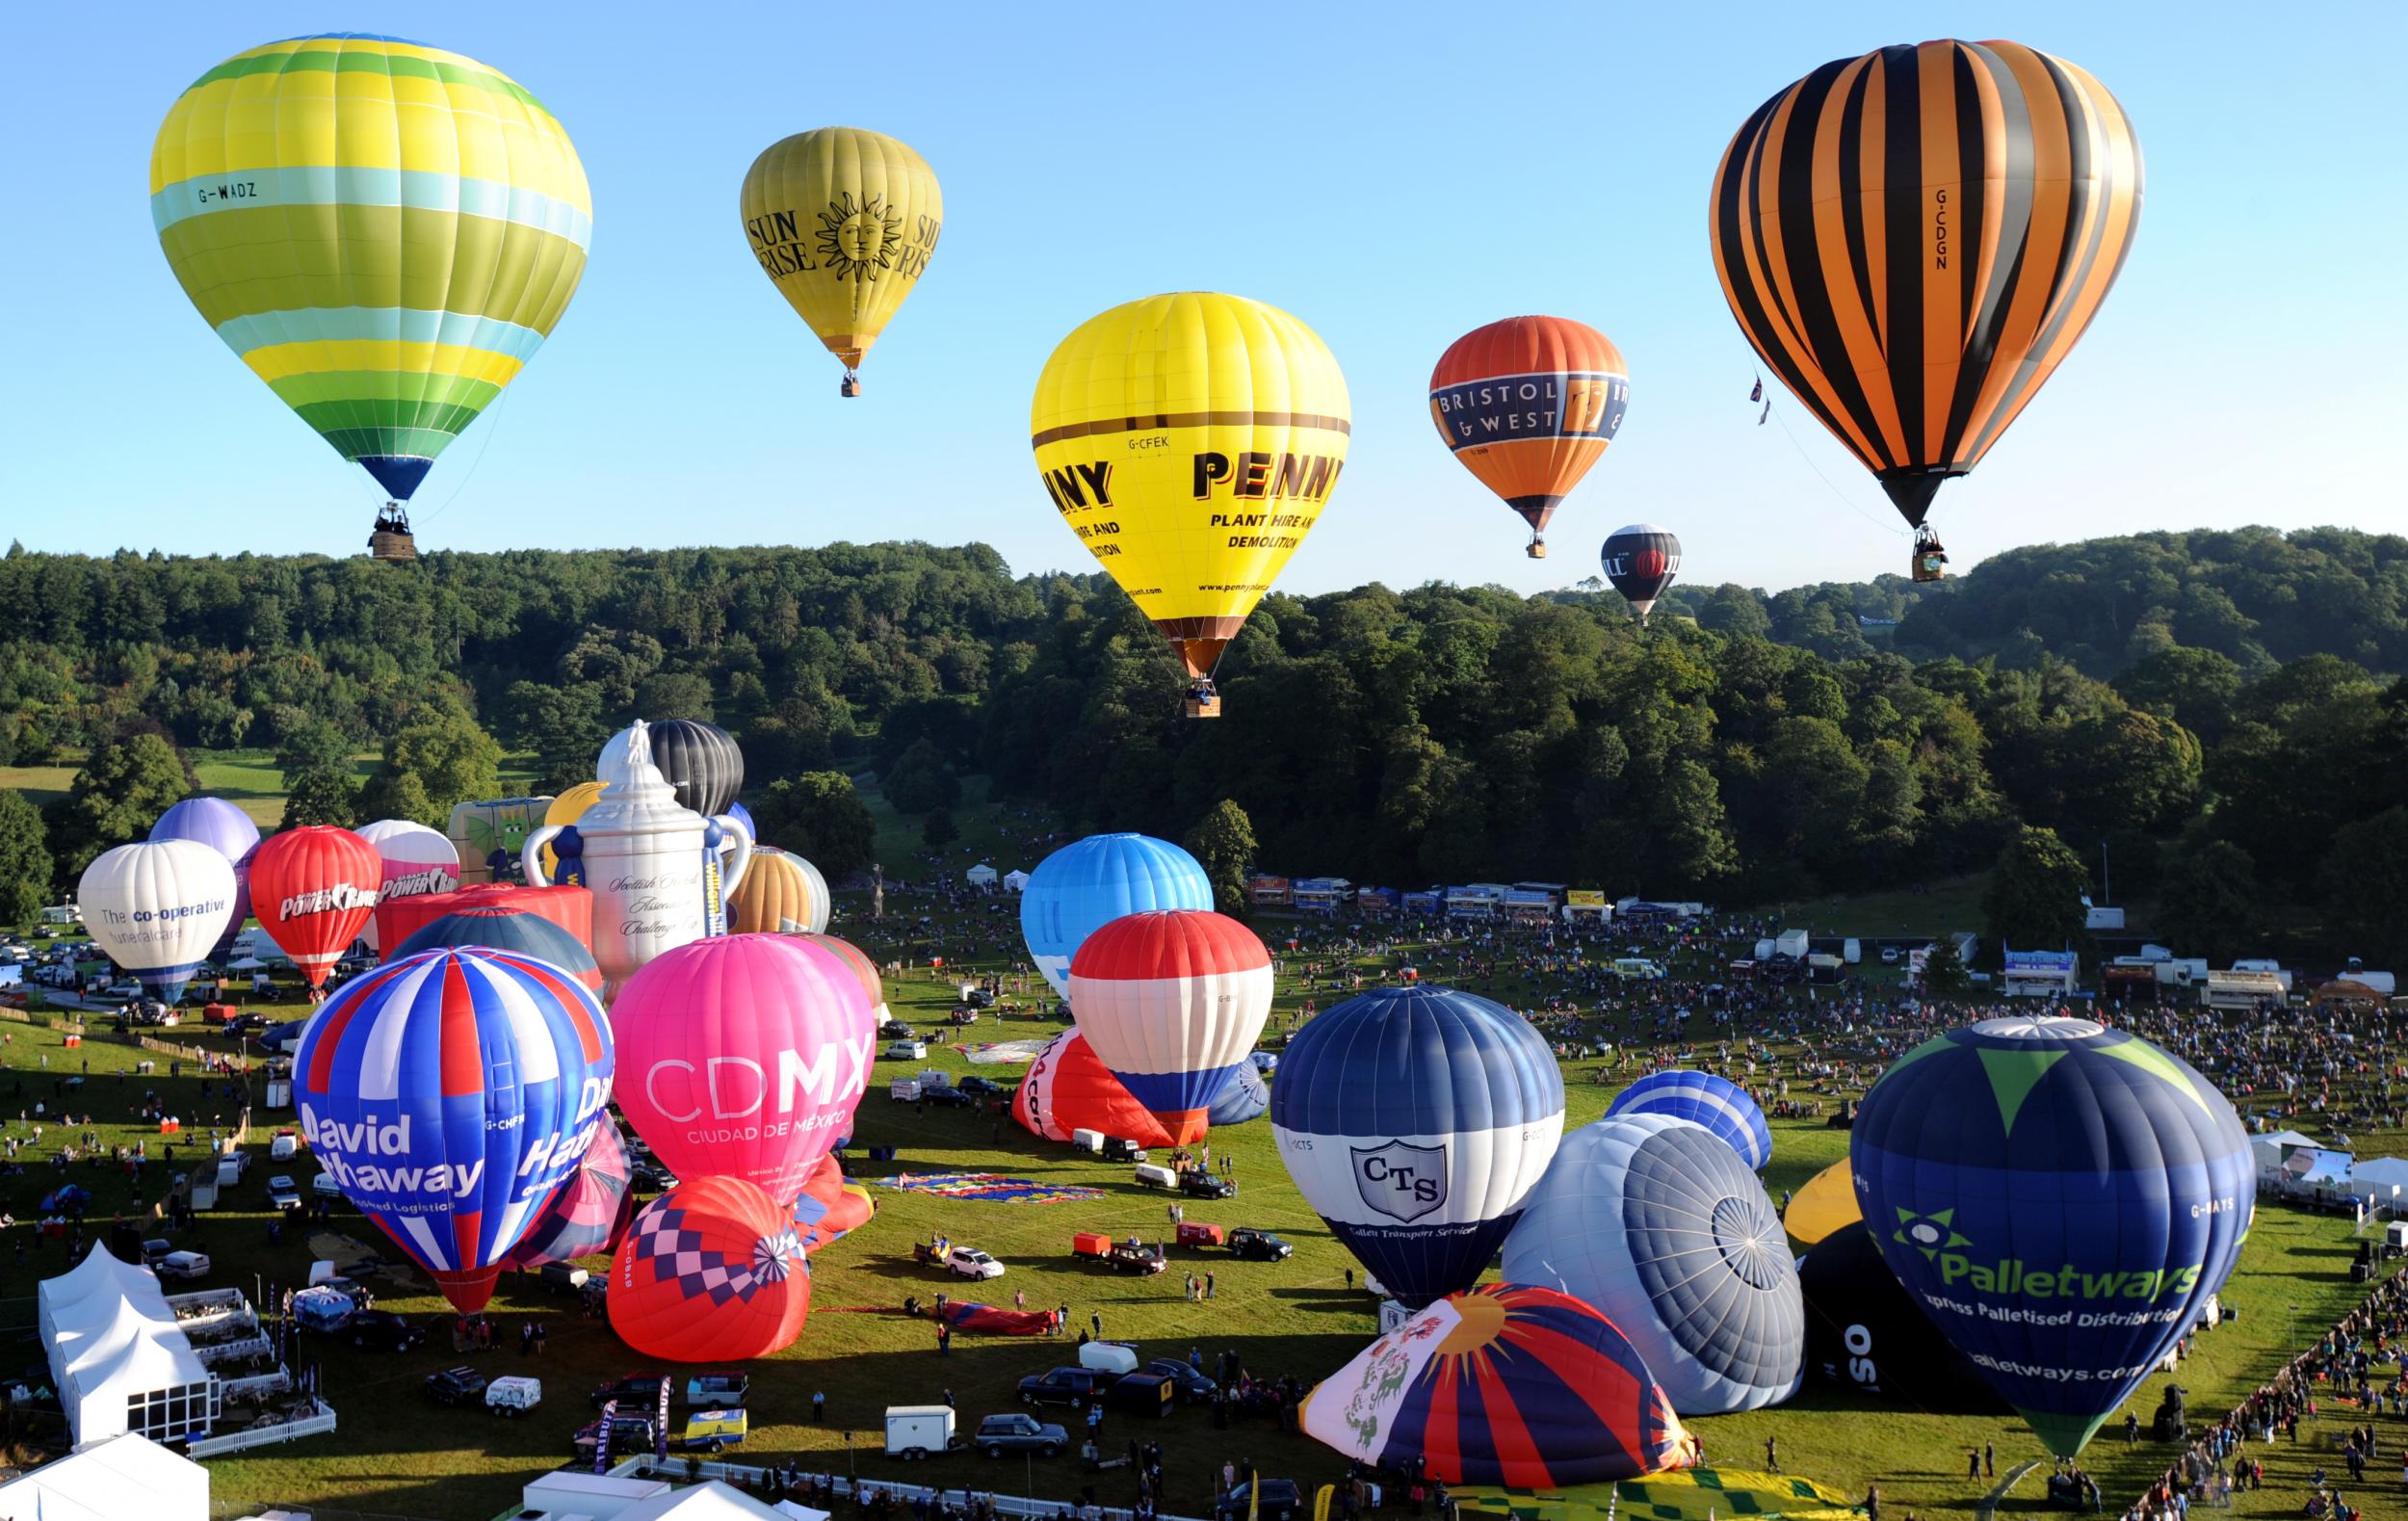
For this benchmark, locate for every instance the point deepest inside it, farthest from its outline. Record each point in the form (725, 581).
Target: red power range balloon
(313, 889)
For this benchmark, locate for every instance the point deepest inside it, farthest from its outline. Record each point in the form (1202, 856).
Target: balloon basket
(849, 386)
(1537, 549)
(1928, 562)
(1203, 703)
(385, 544)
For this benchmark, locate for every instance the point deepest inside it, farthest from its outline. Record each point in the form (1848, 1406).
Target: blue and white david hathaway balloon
(1416, 1121)
(1089, 883)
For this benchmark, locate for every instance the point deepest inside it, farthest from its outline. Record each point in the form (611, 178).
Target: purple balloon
(226, 829)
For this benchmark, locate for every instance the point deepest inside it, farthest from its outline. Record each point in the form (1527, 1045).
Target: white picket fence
(323, 1420)
(646, 1466)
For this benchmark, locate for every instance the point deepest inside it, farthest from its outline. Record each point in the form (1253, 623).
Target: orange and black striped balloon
(1915, 238)
(1528, 404)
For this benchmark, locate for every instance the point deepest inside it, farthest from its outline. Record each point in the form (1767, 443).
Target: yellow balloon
(1825, 1203)
(776, 892)
(844, 222)
(1190, 441)
(570, 806)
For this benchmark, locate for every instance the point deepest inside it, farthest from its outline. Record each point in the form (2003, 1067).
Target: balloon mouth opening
(1741, 1236)
(469, 1290)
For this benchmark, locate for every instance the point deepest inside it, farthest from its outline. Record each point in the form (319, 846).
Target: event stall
(982, 876)
(117, 1358)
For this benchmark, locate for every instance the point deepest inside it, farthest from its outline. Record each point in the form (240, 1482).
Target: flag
(1758, 394)
(1766, 413)
(1253, 1494)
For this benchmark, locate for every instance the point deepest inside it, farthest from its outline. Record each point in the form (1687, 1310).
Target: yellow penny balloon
(1190, 441)
(844, 222)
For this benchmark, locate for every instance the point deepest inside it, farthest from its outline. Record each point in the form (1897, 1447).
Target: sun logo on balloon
(857, 242)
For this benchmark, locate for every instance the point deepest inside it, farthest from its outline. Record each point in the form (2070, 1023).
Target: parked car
(183, 1264)
(907, 1051)
(1891, 955)
(1118, 1149)
(1197, 1183)
(894, 1030)
(727, 1390)
(650, 1178)
(1193, 1384)
(1070, 1386)
(285, 1146)
(1282, 1501)
(1018, 1432)
(385, 1331)
(1259, 1245)
(948, 1095)
(455, 1386)
(325, 1186)
(968, 1262)
(640, 1388)
(513, 1395)
(284, 1193)
(156, 1250)
(629, 1433)
(982, 1087)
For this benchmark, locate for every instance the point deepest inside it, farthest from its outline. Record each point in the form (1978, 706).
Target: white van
(513, 1395)
(230, 1169)
(1154, 1176)
(1088, 1140)
(916, 1430)
(1114, 1358)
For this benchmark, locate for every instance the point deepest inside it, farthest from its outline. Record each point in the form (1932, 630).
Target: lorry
(914, 1432)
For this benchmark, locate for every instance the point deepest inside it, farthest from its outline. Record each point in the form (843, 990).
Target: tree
(938, 829)
(1944, 970)
(920, 781)
(400, 795)
(2034, 897)
(1732, 609)
(2366, 881)
(2207, 901)
(24, 859)
(117, 796)
(562, 726)
(820, 816)
(675, 694)
(2195, 688)
(1222, 843)
(451, 757)
(305, 742)
(322, 795)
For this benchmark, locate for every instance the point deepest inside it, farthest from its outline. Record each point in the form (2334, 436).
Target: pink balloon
(744, 1056)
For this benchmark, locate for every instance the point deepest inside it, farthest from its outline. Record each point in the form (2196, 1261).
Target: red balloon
(826, 1210)
(712, 1272)
(1068, 1088)
(313, 889)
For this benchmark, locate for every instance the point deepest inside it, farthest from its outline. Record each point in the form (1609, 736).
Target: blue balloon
(1243, 1097)
(1416, 1121)
(1086, 885)
(1702, 1098)
(501, 927)
(2061, 1198)
(226, 829)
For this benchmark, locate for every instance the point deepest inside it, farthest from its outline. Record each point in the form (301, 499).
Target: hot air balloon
(418, 861)
(775, 893)
(503, 928)
(449, 1095)
(1702, 1098)
(744, 1055)
(1087, 883)
(1067, 1089)
(711, 1271)
(2062, 1198)
(844, 222)
(1171, 1002)
(297, 189)
(1507, 1384)
(1416, 1120)
(1245, 1098)
(157, 909)
(1640, 561)
(591, 1213)
(1528, 404)
(1913, 240)
(1866, 1333)
(857, 962)
(571, 909)
(1826, 1202)
(823, 901)
(701, 761)
(313, 889)
(847, 1213)
(1190, 441)
(744, 816)
(226, 829)
(1658, 1225)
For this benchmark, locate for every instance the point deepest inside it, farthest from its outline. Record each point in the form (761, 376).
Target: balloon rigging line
(1825, 479)
(500, 404)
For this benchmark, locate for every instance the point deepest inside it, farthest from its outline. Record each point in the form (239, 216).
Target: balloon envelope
(858, 962)
(1505, 1384)
(418, 862)
(1245, 1098)
(1067, 1090)
(571, 909)
(2062, 1198)
(229, 832)
(745, 1056)
(828, 1209)
(1528, 404)
(700, 760)
(1171, 1002)
(449, 1095)
(1702, 1098)
(1865, 1332)
(844, 222)
(591, 1213)
(313, 889)
(775, 893)
(157, 908)
(1658, 1223)
(1416, 1120)
(711, 1271)
(1827, 1203)
(506, 928)
(1087, 883)
(1640, 561)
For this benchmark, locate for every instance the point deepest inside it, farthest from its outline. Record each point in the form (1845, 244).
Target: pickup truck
(1015, 1432)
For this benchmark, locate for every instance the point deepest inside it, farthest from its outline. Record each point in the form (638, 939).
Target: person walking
(1208, 1285)
(1772, 1454)
(819, 1408)
(1989, 1461)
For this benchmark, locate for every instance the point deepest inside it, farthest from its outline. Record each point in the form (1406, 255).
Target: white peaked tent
(1015, 881)
(116, 1356)
(705, 1501)
(980, 875)
(2270, 1151)
(124, 1476)
(2378, 1176)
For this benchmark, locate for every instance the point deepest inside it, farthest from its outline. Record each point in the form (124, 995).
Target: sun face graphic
(857, 242)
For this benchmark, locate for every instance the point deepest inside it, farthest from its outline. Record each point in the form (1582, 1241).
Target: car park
(1019, 1432)
(968, 1262)
(1259, 1245)
(1070, 1386)
(384, 1331)
(455, 1386)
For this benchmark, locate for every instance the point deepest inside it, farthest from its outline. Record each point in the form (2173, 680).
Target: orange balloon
(713, 1270)
(1528, 404)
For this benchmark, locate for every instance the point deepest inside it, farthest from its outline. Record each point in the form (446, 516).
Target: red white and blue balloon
(1172, 1003)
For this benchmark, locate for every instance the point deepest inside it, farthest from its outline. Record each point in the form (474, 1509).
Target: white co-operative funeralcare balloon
(156, 908)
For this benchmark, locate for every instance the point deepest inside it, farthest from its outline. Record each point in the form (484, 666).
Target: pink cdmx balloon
(744, 1056)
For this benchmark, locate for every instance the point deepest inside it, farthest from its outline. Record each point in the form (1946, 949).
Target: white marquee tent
(1015, 881)
(980, 875)
(705, 1501)
(116, 1356)
(111, 1480)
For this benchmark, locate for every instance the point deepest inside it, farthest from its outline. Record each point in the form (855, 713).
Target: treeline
(1774, 748)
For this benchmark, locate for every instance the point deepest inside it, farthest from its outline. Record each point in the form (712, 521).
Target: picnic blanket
(989, 1188)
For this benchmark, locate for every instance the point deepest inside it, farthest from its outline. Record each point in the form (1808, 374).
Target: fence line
(323, 1420)
(645, 1466)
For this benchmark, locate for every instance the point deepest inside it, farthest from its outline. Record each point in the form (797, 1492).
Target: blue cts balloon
(1660, 1227)
(2061, 1198)
(1243, 1097)
(1702, 1098)
(1416, 1120)
(1089, 883)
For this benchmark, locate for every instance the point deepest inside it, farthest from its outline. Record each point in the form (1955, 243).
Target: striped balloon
(1087, 883)
(591, 1213)
(775, 895)
(1172, 1003)
(450, 1094)
(384, 231)
(701, 761)
(1502, 1386)
(1702, 1098)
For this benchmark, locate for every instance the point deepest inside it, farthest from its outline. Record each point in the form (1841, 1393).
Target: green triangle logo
(2149, 1058)
(2013, 1075)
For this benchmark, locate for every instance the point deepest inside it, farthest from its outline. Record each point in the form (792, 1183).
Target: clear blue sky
(1392, 182)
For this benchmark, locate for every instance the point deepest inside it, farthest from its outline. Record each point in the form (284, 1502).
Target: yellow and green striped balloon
(384, 231)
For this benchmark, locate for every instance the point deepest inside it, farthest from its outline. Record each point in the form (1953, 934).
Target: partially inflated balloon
(828, 1208)
(701, 761)
(844, 222)
(1824, 1204)
(449, 1095)
(2062, 1198)
(775, 894)
(1172, 1002)
(1528, 404)
(226, 829)
(503, 928)
(1190, 441)
(1913, 240)
(314, 889)
(1640, 561)
(591, 1213)
(1086, 884)
(384, 232)
(157, 908)
(744, 1055)
(1702, 1098)
(418, 862)
(1246, 1097)
(857, 962)
(1067, 1090)
(1416, 1120)
(1866, 1333)
(711, 1271)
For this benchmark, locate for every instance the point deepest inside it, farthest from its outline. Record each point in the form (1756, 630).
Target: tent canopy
(109, 1481)
(1015, 881)
(711, 1501)
(116, 1356)
(2379, 1175)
